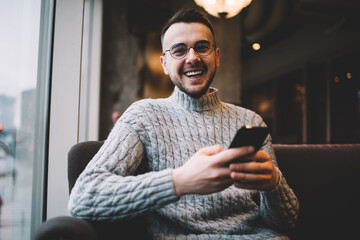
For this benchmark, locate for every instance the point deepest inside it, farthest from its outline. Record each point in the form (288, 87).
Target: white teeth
(193, 73)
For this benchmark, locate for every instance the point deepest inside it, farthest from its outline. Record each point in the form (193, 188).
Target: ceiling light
(256, 46)
(223, 8)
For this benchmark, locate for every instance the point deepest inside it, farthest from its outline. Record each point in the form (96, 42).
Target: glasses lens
(204, 48)
(178, 50)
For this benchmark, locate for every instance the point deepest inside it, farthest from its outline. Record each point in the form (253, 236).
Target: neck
(205, 102)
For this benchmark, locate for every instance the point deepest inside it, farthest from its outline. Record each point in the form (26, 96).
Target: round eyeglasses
(180, 50)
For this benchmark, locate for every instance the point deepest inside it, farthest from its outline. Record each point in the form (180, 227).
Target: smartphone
(250, 136)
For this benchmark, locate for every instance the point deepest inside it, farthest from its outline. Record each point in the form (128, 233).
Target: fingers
(254, 175)
(211, 150)
(233, 154)
(264, 182)
(220, 173)
(249, 177)
(252, 167)
(261, 156)
(259, 185)
(260, 173)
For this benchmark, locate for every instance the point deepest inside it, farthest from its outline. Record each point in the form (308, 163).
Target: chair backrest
(325, 178)
(78, 157)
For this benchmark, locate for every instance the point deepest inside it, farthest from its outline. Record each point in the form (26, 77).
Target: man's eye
(202, 49)
(178, 51)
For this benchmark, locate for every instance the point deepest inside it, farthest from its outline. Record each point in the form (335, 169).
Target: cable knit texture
(159, 135)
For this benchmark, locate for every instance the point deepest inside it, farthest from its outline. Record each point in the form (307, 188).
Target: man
(189, 188)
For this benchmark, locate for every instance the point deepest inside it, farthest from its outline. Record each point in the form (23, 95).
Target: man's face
(192, 74)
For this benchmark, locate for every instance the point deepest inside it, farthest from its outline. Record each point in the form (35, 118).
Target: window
(24, 81)
(317, 104)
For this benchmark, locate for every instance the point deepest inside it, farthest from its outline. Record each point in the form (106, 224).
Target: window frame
(75, 91)
(38, 200)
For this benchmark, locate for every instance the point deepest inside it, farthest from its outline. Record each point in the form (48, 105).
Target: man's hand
(259, 173)
(207, 171)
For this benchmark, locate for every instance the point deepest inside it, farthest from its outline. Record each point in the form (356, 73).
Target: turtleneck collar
(204, 103)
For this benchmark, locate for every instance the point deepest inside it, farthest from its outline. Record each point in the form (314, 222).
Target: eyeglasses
(180, 50)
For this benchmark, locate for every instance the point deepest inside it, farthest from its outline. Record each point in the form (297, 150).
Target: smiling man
(187, 188)
(192, 69)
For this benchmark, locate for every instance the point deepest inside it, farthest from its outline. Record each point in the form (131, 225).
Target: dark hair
(187, 16)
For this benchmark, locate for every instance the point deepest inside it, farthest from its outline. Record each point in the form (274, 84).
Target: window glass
(19, 112)
(289, 104)
(345, 105)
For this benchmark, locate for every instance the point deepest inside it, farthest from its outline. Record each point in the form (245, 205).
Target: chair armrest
(66, 227)
(71, 228)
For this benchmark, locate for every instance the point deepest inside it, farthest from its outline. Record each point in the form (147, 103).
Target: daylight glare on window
(19, 43)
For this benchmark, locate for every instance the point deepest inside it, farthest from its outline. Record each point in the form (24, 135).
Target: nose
(192, 55)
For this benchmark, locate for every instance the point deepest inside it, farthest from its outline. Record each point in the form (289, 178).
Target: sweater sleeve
(280, 207)
(107, 189)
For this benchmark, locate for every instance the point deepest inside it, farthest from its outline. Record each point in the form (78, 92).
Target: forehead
(187, 33)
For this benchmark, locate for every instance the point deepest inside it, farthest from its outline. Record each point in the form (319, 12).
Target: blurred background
(303, 80)
(68, 68)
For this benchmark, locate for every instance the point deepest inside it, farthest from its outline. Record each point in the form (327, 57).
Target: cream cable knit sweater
(160, 135)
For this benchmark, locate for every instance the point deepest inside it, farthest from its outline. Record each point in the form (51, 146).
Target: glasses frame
(213, 46)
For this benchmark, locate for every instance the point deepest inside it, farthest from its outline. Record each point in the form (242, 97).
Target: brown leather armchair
(70, 228)
(325, 179)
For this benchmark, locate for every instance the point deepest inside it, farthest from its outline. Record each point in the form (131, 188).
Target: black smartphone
(250, 136)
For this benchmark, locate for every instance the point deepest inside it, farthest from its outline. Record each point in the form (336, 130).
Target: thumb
(232, 154)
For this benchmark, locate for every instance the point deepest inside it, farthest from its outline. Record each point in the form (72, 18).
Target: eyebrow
(202, 41)
(177, 45)
(181, 44)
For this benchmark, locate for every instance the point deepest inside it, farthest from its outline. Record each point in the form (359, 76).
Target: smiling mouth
(194, 74)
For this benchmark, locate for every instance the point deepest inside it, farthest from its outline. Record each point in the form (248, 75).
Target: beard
(186, 90)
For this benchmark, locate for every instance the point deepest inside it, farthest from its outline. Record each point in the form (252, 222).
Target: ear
(217, 57)
(163, 64)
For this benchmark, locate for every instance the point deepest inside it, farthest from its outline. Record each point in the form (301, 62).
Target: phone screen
(250, 136)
